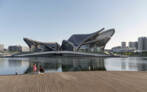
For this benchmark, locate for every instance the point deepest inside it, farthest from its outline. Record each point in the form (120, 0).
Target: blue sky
(56, 20)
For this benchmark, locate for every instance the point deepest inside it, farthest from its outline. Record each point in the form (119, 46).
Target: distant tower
(145, 43)
(1, 47)
(142, 43)
(123, 44)
(135, 45)
(130, 44)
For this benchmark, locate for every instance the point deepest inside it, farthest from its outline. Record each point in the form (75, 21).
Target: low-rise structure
(116, 49)
(1, 47)
(16, 48)
(122, 50)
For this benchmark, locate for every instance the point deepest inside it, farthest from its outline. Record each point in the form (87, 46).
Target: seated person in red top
(41, 69)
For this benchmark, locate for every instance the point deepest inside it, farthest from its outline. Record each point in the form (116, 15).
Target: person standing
(34, 68)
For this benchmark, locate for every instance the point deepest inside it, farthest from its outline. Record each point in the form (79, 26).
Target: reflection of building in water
(123, 65)
(136, 65)
(98, 64)
(15, 63)
(1, 62)
(67, 64)
(83, 64)
(46, 63)
(142, 65)
(132, 66)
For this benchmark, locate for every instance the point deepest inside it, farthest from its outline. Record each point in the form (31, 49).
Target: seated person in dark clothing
(41, 69)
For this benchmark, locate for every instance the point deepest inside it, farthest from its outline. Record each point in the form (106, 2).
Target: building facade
(130, 45)
(15, 48)
(1, 47)
(25, 49)
(123, 44)
(36, 46)
(94, 42)
(142, 43)
(133, 45)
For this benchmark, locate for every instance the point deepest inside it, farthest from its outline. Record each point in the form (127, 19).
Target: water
(9, 66)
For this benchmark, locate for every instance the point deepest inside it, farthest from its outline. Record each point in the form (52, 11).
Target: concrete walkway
(96, 81)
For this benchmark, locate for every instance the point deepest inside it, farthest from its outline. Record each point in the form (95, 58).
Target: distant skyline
(56, 20)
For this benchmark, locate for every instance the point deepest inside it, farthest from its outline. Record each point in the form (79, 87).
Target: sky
(57, 20)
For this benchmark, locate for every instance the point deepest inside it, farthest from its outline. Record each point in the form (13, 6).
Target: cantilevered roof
(76, 39)
(101, 37)
(33, 42)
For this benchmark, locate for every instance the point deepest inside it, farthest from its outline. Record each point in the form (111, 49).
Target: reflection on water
(83, 64)
(25, 65)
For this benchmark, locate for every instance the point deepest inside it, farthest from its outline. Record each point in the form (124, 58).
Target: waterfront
(94, 81)
(9, 66)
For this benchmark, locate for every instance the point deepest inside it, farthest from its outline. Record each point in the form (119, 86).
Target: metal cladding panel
(53, 46)
(106, 34)
(76, 39)
(99, 37)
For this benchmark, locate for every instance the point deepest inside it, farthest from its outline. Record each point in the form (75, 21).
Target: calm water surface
(9, 66)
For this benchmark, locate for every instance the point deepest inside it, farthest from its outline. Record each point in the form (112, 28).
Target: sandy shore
(96, 81)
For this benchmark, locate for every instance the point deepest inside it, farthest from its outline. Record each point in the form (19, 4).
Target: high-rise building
(130, 44)
(142, 43)
(145, 43)
(133, 45)
(1, 47)
(123, 44)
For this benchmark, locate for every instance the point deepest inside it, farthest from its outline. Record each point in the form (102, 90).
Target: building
(94, 42)
(133, 45)
(25, 49)
(91, 42)
(142, 43)
(1, 47)
(145, 43)
(18, 48)
(116, 49)
(130, 45)
(36, 46)
(14, 48)
(123, 44)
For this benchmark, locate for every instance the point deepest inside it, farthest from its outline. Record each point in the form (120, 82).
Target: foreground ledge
(95, 81)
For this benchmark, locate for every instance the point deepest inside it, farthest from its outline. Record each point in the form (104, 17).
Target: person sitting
(41, 69)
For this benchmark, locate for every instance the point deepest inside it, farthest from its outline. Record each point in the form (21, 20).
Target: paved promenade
(96, 81)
